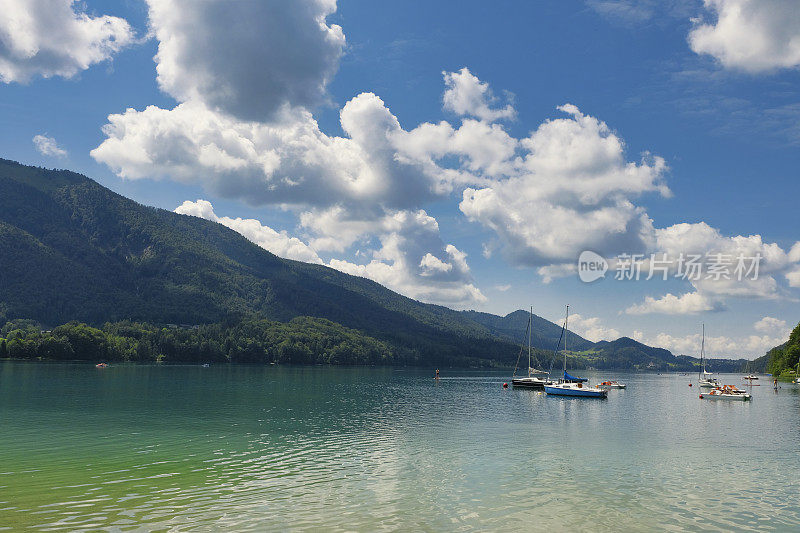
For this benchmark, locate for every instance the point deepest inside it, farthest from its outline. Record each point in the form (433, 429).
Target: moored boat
(101, 365)
(531, 381)
(563, 388)
(704, 378)
(709, 383)
(570, 385)
(750, 376)
(727, 392)
(611, 385)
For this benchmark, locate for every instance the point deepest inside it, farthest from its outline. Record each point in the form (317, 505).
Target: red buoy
(690, 384)
(505, 385)
(701, 396)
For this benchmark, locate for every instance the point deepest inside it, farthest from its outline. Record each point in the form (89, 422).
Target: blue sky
(683, 137)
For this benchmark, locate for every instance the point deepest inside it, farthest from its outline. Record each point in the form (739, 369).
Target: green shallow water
(179, 448)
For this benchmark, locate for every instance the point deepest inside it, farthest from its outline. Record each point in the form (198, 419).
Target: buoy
(505, 385)
(701, 396)
(690, 384)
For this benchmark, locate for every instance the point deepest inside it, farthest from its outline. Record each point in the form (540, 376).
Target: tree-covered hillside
(73, 250)
(783, 359)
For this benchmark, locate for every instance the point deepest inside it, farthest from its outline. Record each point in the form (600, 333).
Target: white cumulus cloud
(411, 257)
(770, 324)
(591, 328)
(750, 35)
(745, 346)
(248, 59)
(411, 260)
(465, 94)
(716, 266)
(277, 242)
(55, 38)
(670, 304)
(287, 161)
(571, 191)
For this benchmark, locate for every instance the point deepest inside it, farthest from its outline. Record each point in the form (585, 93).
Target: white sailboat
(570, 385)
(705, 379)
(531, 381)
(750, 376)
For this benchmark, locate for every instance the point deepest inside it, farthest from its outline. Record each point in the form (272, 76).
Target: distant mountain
(634, 350)
(622, 353)
(74, 250)
(514, 325)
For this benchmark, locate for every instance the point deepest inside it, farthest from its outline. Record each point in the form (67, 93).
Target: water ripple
(247, 448)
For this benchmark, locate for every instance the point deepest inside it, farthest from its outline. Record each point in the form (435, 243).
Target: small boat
(531, 381)
(570, 385)
(709, 383)
(727, 392)
(564, 388)
(750, 376)
(101, 365)
(206, 365)
(611, 385)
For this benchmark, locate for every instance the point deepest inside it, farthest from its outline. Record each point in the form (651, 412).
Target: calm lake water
(254, 448)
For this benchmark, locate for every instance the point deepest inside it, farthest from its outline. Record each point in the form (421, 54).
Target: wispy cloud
(48, 146)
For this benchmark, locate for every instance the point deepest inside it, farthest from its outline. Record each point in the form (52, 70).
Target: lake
(274, 448)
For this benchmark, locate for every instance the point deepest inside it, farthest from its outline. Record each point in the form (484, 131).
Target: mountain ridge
(76, 250)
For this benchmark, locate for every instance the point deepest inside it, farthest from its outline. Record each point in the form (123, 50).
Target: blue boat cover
(567, 377)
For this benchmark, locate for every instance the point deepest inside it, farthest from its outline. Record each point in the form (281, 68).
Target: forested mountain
(73, 250)
(629, 353)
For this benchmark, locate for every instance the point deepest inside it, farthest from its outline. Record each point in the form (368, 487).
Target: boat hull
(581, 393)
(732, 397)
(528, 383)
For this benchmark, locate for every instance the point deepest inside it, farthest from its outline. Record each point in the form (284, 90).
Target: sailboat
(750, 376)
(570, 385)
(703, 377)
(531, 381)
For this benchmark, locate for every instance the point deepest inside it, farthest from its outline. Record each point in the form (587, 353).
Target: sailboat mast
(703, 350)
(530, 333)
(566, 334)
